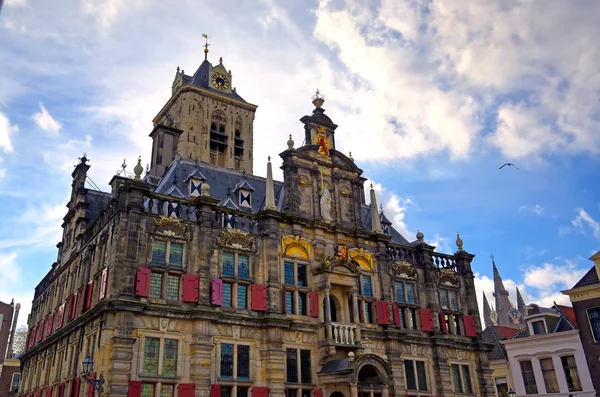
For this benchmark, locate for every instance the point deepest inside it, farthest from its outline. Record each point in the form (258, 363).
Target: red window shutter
(73, 306)
(260, 391)
(103, 284)
(142, 284)
(88, 294)
(283, 303)
(61, 390)
(134, 390)
(49, 391)
(76, 383)
(397, 322)
(217, 292)
(186, 390)
(426, 320)
(259, 297)
(383, 313)
(90, 390)
(470, 326)
(49, 325)
(215, 390)
(318, 393)
(314, 305)
(191, 284)
(443, 323)
(40, 332)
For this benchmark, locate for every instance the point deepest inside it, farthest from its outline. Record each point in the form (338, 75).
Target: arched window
(218, 138)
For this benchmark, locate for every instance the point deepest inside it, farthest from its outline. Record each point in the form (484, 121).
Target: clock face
(220, 81)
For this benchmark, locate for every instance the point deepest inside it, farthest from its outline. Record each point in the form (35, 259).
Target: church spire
(498, 283)
(502, 303)
(520, 304)
(487, 312)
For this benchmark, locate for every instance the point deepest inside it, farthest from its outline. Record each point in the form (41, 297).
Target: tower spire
(503, 304)
(520, 304)
(487, 312)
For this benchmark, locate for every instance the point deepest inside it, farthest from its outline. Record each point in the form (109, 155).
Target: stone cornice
(583, 293)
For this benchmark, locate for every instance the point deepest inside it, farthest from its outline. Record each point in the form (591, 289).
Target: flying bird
(508, 164)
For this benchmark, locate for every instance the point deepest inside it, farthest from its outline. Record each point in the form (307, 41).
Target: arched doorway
(369, 382)
(337, 394)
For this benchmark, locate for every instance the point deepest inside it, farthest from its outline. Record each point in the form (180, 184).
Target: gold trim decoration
(295, 246)
(403, 269)
(237, 239)
(447, 277)
(362, 257)
(171, 227)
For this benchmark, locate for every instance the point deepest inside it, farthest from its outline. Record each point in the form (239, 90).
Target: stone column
(328, 334)
(353, 389)
(385, 392)
(355, 314)
(119, 372)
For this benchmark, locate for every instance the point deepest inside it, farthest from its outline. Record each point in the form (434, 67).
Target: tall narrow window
(295, 281)
(238, 151)
(218, 139)
(528, 377)
(367, 290)
(298, 373)
(594, 317)
(549, 375)
(235, 362)
(415, 374)
(570, 368)
(449, 299)
(243, 362)
(226, 361)
(235, 269)
(169, 362)
(461, 379)
(291, 366)
(151, 351)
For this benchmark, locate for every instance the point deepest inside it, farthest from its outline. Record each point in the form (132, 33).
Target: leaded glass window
(302, 279)
(226, 295)
(416, 376)
(410, 294)
(421, 376)
(400, 292)
(172, 287)
(453, 300)
(288, 273)
(242, 296)
(366, 284)
(226, 391)
(176, 255)
(147, 389)
(166, 390)
(159, 252)
(368, 315)
(242, 392)
(226, 360)
(466, 379)
(151, 351)
(289, 302)
(169, 364)
(302, 303)
(449, 299)
(594, 317)
(291, 366)
(305, 367)
(228, 264)
(243, 267)
(243, 362)
(155, 285)
(456, 378)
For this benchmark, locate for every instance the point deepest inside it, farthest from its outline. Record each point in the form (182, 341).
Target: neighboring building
(585, 297)
(546, 356)
(499, 365)
(204, 280)
(504, 313)
(10, 372)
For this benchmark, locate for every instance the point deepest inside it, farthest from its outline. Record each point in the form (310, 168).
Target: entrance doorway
(369, 382)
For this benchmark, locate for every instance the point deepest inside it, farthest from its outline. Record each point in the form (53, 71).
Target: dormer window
(538, 327)
(245, 198)
(195, 186)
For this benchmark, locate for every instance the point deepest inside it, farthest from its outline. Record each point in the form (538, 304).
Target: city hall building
(201, 279)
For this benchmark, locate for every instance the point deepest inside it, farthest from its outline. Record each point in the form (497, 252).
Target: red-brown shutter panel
(134, 390)
(49, 324)
(90, 390)
(142, 282)
(217, 292)
(103, 284)
(443, 323)
(60, 317)
(215, 390)
(259, 297)
(383, 312)
(426, 320)
(314, 305)
(397, 322)
(190, 287)
(76, 383)
(318, 393)
(73, 306)
(470, 325)
(40, 332)
(61, 390)
(260, 391)
(88, 295)
(186, 389)
(49, 391)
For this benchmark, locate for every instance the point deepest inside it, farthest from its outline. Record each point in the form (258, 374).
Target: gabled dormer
(194, 182)
(386, 224)
(244, 191)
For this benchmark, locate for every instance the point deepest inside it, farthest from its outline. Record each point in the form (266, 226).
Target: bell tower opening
(218, 138)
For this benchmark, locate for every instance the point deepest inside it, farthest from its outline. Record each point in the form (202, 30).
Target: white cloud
(552, 277)
(583, 220)
(44, 224)
(394, 206)
(107, 11)
(536, 209)
(6, 130)
(46, 122)
(16, 3)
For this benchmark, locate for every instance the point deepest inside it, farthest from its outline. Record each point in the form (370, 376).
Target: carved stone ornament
(236, 329)
(403, 270)
(447, 278)
(413, 349)
(295, 246)
(298, 337)
(237, 239)
(362, 257)
(460, 354)
(163, 324)
(170, 227)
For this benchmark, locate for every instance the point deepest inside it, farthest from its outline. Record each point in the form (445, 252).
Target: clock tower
(206, 120)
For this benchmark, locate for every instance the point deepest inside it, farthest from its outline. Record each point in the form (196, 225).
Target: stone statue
(325, 204)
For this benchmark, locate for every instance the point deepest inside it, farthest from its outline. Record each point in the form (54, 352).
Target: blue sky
(431, 97)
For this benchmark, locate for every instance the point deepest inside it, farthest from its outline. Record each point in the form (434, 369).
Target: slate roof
(590, 278)
(564, 322)
(495, 334)
(569, 312)
(337, 365)
(95, 201)
(201, 79)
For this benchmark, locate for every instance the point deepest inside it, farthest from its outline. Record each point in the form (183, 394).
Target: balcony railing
(344, 334)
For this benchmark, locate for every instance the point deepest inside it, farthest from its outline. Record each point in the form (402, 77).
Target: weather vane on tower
(205, 46)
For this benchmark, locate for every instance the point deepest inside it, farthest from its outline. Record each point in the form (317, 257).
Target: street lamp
(88, 365)
(511, 392)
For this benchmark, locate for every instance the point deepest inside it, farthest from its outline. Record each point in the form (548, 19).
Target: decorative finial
(205, 46)
(83, 159)
(138, 169)
(290, 143)
(220, 60)
(371, 185)
(420, 236)
(318, 100)
(269, 159)
(350, 156)
(177, 69)
(459, 242)
(205, 189)
(381, 208)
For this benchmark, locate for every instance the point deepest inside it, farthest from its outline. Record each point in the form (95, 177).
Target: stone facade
(202, 281)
